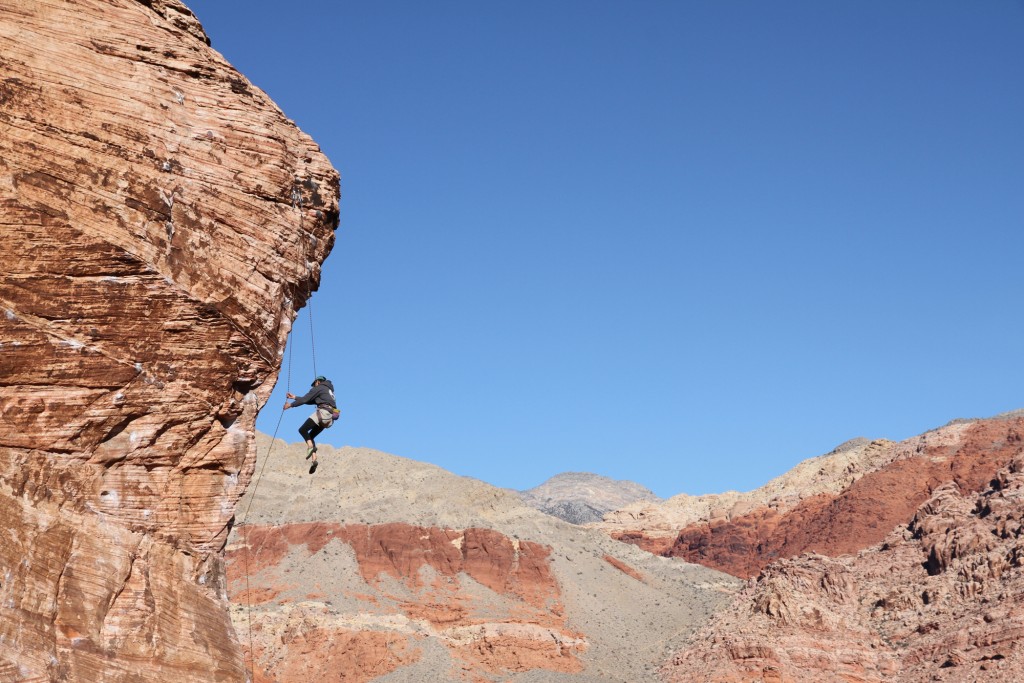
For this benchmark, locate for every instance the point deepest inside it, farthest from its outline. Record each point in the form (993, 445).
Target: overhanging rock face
(161, 222)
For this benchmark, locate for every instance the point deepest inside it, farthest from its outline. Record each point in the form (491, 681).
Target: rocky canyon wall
(161, 222)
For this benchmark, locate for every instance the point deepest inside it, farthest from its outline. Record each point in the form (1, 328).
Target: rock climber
(322, 396)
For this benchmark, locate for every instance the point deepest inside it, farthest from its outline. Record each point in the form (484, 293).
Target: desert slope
(430, 576)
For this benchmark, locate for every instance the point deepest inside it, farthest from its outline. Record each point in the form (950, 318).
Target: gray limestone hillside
(584, 497)
(631, 625)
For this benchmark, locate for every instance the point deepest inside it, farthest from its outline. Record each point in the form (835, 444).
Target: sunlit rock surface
(940, 599)
(161, 222)
(837, 503)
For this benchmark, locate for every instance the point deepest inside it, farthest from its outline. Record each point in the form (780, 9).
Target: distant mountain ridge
(584, 497)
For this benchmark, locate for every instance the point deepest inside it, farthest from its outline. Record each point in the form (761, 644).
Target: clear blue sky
(684, 243)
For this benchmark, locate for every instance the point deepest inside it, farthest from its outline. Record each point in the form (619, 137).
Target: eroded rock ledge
(162, 221)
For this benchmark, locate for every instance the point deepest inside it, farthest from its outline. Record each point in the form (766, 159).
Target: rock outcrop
(162, 222)
(582, 497)
(436, 577)
(940, 599)
(880, 485)
(655, 526)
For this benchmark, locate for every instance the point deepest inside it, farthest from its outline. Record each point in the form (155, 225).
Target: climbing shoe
(310, 451)
(312, 468)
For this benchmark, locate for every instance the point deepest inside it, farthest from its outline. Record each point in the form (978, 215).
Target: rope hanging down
(312, 343)
(245, 517)
(297, 203)
(255, 487)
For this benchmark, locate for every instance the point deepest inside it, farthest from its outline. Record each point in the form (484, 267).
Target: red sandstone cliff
(161, 223)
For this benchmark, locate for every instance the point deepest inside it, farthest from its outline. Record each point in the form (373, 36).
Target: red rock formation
(865, 512)
(516, 623)
(942, 599)
(322, 654)
(623, 567)
(162, 221)
(655, 526)
(401, 550)
(654, 545)
(474, 583)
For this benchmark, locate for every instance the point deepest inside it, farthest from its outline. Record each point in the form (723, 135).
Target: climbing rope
(288, 375)
(312, 343)
(245, 542)
(296, 203)
(245, 517)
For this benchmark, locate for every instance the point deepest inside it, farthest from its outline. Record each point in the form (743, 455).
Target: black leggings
(310, 429)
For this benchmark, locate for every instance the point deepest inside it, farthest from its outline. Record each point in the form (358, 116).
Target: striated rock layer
(941, 599)
(162, 221)
(655, 526)
(968, 454)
